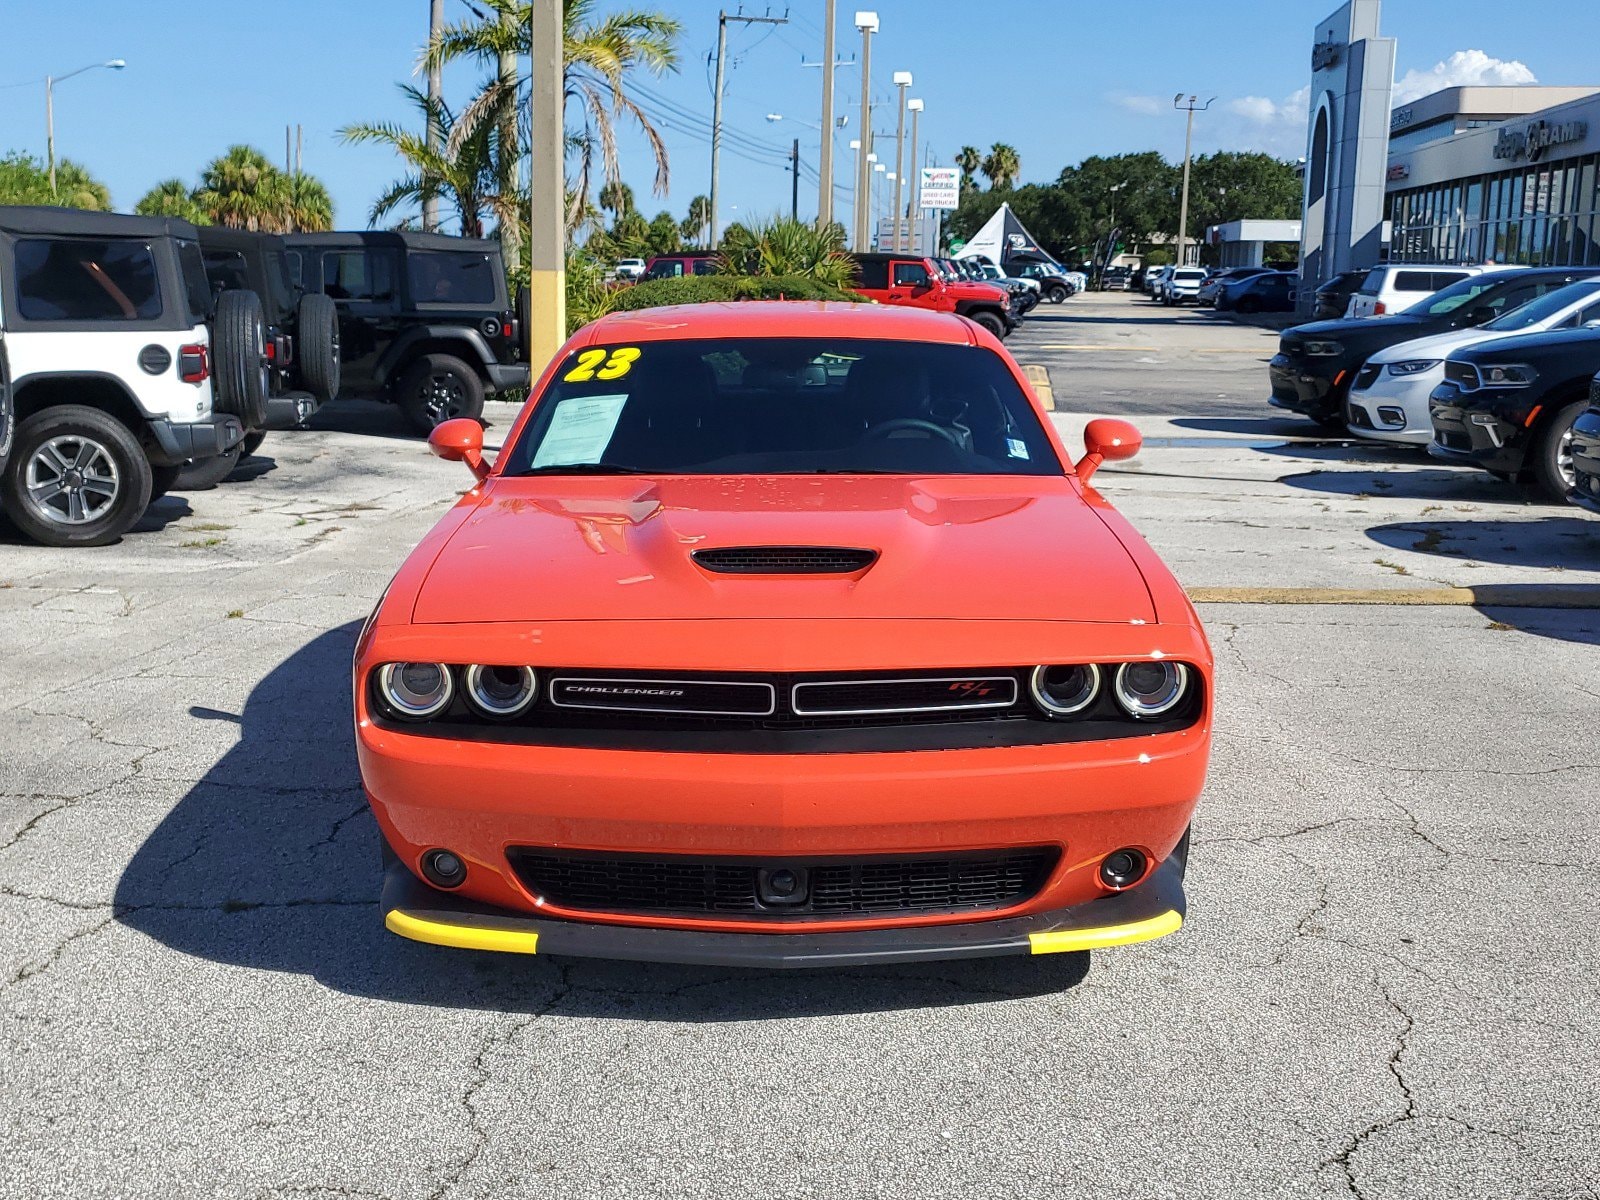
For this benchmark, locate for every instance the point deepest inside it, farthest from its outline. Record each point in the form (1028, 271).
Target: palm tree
(969, 160)
(172, 198)
(461, 170)
(600, 55)
(1002, 166)
(616, 198)
(310, 206)
(694, 225)
(243, 190)
(784, 247)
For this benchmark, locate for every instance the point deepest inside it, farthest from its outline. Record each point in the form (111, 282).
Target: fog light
(1122, 868)
(1393, 417)
(446, 870)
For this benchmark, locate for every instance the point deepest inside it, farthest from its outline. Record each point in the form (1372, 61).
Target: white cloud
(1464, 68)
(1273, 126)
(1145, 106)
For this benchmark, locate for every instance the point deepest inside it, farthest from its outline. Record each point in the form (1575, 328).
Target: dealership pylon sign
(941, 187)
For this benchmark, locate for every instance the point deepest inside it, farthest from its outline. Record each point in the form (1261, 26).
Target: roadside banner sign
(941, 187)
(957, 245)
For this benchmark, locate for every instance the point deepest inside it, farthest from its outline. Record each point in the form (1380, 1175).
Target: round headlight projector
(501, 691)
(1150, 689)
(1062, 691)
(416, 691)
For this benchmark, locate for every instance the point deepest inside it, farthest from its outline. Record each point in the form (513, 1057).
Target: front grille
(1463, 375)
(693, 697)
(1366, 377)
(785, 560)
(1452, 439)
(1594, 392)
(825, 887)
(863, 696)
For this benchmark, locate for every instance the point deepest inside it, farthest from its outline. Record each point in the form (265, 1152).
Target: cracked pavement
(1386, 988)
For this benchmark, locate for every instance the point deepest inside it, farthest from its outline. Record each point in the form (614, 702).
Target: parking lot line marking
(1075, 346)
(1490, 595)
(1039, 377)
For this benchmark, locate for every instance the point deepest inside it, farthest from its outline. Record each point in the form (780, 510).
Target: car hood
(1360, 334)
(1438, 345)
(957, 547)
(1584, 342)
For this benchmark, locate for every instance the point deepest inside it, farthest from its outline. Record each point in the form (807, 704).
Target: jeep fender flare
(464, 342)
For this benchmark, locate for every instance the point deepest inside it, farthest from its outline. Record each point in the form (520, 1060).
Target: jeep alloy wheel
(443, 397)
(71, 480)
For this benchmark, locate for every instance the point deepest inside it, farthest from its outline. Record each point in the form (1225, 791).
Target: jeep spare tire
(239, 368)
(438, 388)
(317, 346)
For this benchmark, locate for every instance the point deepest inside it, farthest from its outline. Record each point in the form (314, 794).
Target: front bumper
(1153, 909)
(1372, 411)
(1301, 388)
(174, 442)
(1482, 428)
(1586, 460)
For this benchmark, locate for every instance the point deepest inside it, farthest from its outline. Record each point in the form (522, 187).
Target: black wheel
(317, 346)
(439, 387)
(1550, 456)
(163, 479)
(991, 322)
(1056, 295)
(239, 369)
(252, 443)
(76, 477)
(202, 474)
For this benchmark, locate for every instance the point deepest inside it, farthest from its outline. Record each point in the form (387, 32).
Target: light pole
(914, 219)
(878, 170)
(1188, 142)
(50, 81)
(547, 190)
(867, 23)
(902, 80)
(825, 185)
(1112, 233)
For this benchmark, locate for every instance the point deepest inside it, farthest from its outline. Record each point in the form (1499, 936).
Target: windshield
(784, 406)
(1546, 307)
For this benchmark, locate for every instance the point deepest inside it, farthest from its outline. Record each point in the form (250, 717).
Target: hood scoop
(784, 560)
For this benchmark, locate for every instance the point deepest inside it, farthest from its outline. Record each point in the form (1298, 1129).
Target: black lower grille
(785, 560)
(1452, 440)
(1359, 417)
(821, 888)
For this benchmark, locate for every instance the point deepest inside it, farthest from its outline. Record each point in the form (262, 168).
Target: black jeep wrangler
(301, 342)
(424, 319)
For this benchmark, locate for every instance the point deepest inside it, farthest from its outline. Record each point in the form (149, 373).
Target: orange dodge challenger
(783, 634)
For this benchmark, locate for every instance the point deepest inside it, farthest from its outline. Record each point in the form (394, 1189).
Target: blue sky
(1058, 79)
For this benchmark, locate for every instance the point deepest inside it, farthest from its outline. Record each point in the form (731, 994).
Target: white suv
(1181, 283)
(1395, 287)
(105, 327)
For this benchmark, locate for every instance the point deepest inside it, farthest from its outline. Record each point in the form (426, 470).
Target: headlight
(1413, 365)
(1324, 349)
(416, 691)
(1150, 689)
(501, 691)
(1506, 374)
(1062, 691)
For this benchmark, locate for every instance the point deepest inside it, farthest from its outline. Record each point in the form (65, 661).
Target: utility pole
(288, 149)
(902, 80)
(1188, 143)
(430, 200)
(914, 217)
(510, 242)
(794, 181)
(547, 221)
(716, 102)
(825, 187)
(867, 23)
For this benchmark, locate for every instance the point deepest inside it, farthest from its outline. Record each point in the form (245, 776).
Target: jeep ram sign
(1536, 137)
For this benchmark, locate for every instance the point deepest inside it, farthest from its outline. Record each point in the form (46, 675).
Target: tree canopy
(26, 180)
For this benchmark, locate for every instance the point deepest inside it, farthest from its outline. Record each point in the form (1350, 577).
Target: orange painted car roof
(781, 319)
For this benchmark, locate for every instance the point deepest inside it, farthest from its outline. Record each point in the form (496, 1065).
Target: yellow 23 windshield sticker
(617, 363)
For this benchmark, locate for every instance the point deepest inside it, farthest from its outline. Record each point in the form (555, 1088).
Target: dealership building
(1504, 175)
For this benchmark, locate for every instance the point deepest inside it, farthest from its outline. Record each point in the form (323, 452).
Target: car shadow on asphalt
(1286, 427)
(1559, 542)
(271, 862)
(1566, 625)
(1445, 485)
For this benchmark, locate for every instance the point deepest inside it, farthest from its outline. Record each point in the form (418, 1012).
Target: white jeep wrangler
(116, 378)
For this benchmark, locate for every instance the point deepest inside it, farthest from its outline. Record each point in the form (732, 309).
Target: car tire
(163, 479)
(990, 322)
(1057, 295)
(240, 373)
(107, 503)
(1550, 456)
(252, 443)
(440, 387)
(203, 474)
(317, 346)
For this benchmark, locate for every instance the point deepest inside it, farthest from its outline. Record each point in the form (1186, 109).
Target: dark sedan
(1316, 363)
(1586, 452)
(1509, 405)
(1333, 298)
(1271, 292)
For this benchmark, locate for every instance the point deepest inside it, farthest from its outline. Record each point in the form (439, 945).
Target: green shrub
(711, 289)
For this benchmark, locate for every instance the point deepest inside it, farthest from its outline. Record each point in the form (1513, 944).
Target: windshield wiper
(585, 469)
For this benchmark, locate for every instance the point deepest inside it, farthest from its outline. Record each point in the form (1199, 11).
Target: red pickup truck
(914, 281)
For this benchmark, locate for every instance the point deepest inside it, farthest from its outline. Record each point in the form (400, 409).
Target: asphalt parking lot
(1386, 988)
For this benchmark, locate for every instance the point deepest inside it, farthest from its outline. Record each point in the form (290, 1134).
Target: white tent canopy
(1004, 237)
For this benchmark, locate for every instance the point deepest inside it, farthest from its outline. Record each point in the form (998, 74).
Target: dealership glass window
(78, 279)
(1587, 200)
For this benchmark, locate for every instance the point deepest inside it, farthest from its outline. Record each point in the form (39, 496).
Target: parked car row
(140, 355)
(911, 280)
(1493, 370)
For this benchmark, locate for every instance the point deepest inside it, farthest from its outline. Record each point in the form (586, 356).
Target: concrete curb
(1492, 595)
(1039, 377)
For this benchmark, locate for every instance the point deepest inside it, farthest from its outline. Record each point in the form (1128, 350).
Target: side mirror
(1105, 440)
(461, 440)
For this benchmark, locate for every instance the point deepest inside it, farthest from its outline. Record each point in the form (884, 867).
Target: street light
(867, 23)
(50, 81)
(1188, 142)
(915, 220)
(878, 171)
(902, 80)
